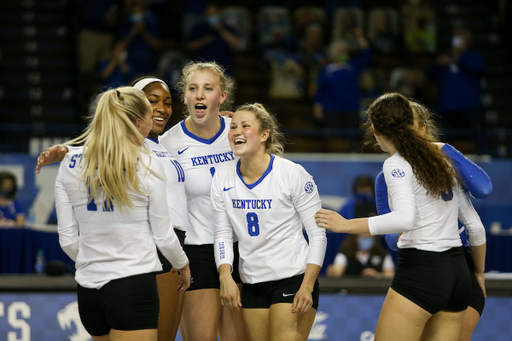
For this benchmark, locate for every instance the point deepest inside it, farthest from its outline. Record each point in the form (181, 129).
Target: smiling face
(244, 134)
(203, 96)
(161, 104)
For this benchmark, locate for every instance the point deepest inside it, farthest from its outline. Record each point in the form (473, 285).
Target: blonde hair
(113, 146)
(275, 141)
(427, 117)
(226, 82)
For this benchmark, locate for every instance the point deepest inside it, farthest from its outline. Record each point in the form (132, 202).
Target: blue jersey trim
(267, 172)
(197, 138)
(152, 139)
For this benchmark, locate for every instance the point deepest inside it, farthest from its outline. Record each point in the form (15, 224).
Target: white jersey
(200, 159)
(427, 223)
(106, 243)
(176, 197)
(267, 218)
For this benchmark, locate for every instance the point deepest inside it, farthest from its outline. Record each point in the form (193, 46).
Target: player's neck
(253, 167)
(206, 130)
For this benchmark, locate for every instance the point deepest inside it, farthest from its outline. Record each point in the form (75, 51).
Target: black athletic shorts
(203, 270)
(263, 295)
(477, 296)
(166, 265)
(434, 281)
(129, 303)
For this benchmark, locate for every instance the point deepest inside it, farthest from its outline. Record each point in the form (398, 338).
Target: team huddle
(201, 228)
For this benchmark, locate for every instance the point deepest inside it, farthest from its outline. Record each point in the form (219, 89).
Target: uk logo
(309, 187)
(398, 173)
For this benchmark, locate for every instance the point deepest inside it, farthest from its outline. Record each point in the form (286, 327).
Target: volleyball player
(200, 144)
(432, 276)
(478, 184)
(112, 210)
(171, 301)
(263, 200)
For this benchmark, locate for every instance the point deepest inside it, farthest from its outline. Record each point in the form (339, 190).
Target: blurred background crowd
(316, 64)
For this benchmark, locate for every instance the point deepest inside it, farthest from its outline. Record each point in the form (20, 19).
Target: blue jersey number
(179, 170)
(252, 224)
(447, 197)
(93, 207)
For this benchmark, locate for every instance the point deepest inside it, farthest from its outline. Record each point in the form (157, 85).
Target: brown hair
(275, 141)
(226, 82)
(392, 116)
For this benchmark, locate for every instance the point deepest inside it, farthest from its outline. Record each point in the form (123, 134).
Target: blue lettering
(194, 161)
(210, 158)
(205, 160)
(255, 204)
(216, 158)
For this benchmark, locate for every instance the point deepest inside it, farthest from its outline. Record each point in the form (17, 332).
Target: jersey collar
(251, 186)
(152, 139)
(197, 138)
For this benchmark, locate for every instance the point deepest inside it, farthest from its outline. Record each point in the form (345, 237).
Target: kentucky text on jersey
(211, 159)
(255, 204)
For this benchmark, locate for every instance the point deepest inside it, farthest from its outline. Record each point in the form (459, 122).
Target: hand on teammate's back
(51, 155)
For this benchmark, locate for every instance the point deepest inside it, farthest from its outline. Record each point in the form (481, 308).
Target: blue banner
(54, 317)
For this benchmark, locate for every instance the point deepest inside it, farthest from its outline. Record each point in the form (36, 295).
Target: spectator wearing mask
(458, 72)
(362, 255)
(12, 212)
(213, 40)
(141, 34)
(362, 204)
(337, 96)
(115, 71)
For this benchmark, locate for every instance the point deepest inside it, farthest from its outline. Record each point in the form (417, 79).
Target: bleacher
(40, 86)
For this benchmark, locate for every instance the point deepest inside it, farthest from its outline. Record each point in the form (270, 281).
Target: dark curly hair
(392, 116)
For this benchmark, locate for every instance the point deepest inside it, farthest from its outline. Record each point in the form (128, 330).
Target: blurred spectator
(286, 77)
(362, 255)
(332, 5)
(305, 17)
(275, 31)
(370, 89)
(312, 52)
(239, 18)
(362, 204)
(115, 71)
(98, 19)
(12, 212)
(458, 72)
(141, 34)
(213, 40)
(170, 64)
(193, 15)
(337, 96)
(419, 27)
(408, 82)
(383, 32)
(347, 22)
